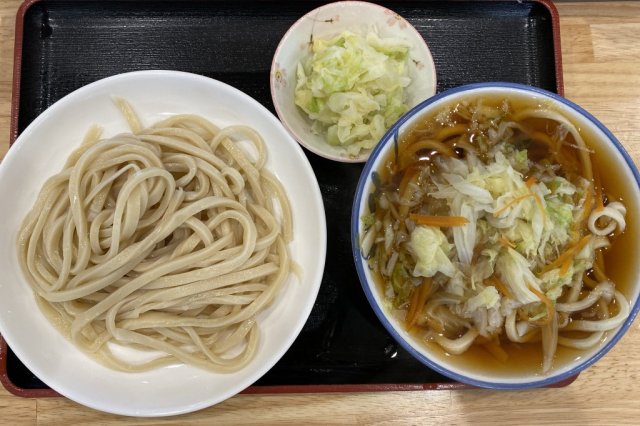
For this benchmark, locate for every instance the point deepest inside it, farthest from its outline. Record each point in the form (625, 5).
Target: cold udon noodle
(170, 239)
(487, 227)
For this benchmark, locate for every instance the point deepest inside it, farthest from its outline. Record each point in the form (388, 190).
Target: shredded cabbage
(352, 88)
(534, 217)
(516, 273)
(487, 298)
(431, 249)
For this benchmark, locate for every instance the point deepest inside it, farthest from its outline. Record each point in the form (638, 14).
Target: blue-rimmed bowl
(615, 164)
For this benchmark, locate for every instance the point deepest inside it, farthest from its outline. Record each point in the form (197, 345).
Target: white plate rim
(13, 338)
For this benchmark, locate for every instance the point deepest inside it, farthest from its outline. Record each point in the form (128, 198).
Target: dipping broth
(496, 233)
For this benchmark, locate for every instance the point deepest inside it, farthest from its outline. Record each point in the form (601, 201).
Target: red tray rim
(254, 389)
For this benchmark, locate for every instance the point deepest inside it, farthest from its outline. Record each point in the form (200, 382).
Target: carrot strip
(586, 207)
(500, 286)
(565, 267)
(505, 241)
(574, 236)
(548, 304)
(409, 318)
(531, 181)
(441, 221)
(598, 187)
(566, 255)
(511, 203)
(418, 300)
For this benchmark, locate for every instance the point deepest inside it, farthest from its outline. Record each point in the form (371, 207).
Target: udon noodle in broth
(488, 232)
(170, 239)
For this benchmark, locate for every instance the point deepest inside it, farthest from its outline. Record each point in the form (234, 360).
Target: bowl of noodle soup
(165, 244)
(490, 232)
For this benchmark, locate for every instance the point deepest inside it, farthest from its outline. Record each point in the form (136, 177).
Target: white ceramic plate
(41, 151)
(328, 21)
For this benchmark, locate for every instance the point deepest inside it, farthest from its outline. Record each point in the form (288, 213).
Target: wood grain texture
(601, 53)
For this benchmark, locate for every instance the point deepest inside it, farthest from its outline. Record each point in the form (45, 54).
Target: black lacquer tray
(63, 45)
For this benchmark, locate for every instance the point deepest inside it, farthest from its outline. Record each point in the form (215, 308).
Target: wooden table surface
(601, 56)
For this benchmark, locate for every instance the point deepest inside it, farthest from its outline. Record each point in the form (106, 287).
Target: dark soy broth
(526, 358)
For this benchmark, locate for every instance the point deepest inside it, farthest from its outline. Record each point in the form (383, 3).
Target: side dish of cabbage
(352, 87)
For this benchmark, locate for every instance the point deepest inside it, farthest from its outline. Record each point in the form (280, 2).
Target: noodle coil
(170, 239)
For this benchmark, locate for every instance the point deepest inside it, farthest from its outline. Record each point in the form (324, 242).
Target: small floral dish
(329, 21)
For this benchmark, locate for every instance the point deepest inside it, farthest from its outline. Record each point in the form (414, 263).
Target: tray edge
(557, 45)
(17, 67)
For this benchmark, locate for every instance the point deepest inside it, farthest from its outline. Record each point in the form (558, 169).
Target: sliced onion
(367, 241)
(389, 237)
(401, 237)
(383, 202)
(391, 263)
(411, 225)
